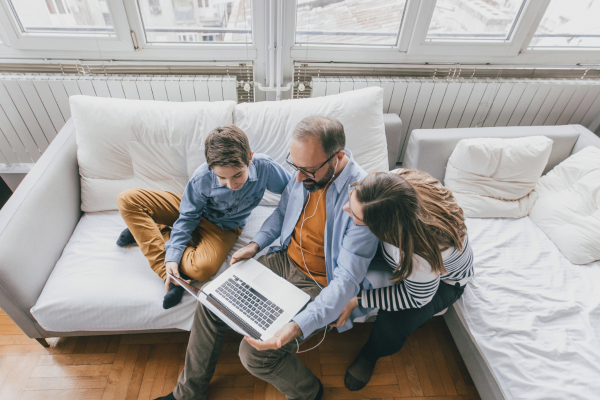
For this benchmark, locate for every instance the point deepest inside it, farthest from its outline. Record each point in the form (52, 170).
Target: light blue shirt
(349, 248)
(205, 197)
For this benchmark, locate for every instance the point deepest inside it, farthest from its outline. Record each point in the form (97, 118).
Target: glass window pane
(349, 21)
(63, 16)
(194, 21)
(473, 19)
(570, 23)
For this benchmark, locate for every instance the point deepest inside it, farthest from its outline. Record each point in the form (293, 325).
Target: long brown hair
(411, 210)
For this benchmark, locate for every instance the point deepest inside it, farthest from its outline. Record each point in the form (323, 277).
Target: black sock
(125, 238)
(167, 397)
(359, 373)
(173, 297)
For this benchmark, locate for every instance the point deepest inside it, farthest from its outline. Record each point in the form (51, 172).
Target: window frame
(413, 46)
(420, 45)
(121, 41)
(137, 26)
(410, 47)
(127, 22)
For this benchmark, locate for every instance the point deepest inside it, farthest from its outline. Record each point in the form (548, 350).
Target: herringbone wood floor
(147, 365)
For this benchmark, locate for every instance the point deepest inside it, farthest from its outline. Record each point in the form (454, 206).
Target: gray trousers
(281, 367)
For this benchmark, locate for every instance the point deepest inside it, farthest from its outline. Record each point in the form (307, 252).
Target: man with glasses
(321, 250)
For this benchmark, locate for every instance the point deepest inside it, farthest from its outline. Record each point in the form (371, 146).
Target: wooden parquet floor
(145, 366)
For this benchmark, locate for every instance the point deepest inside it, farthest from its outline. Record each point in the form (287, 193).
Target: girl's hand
(345, 314)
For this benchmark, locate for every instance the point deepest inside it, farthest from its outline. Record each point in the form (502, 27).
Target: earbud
(336, 164)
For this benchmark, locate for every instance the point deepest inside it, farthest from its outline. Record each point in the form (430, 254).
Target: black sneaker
(320, 392)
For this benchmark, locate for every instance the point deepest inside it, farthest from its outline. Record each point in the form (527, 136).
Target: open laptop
(250, 298)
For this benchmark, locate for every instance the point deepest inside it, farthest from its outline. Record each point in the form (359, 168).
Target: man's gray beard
(322, 183)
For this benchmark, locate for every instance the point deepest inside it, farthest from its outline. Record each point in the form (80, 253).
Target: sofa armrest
(35, 225)
(586, 138)
(394, 138)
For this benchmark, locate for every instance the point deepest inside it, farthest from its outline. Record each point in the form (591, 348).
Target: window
(154, 7)
(474, 19)
(187, 37)
(63, 16)
(107, 19)
(216, 21)
(373, 22)
(571, 23)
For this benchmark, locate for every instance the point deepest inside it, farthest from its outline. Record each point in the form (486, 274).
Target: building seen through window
(371, 22)
(474, 19)
(63, 16)
(569, 23)
(185, 21)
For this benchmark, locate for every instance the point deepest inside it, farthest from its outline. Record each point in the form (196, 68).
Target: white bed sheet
(534, 315)
(99, 286)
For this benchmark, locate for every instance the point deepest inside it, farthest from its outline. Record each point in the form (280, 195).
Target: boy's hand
(173, 268)
(245, 252)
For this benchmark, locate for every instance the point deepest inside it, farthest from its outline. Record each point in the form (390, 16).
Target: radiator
(33, 108)
(460, 103)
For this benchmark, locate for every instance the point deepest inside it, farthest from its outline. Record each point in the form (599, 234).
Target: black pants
(392, 328)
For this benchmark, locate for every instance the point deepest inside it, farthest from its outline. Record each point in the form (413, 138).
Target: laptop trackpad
(267, 282)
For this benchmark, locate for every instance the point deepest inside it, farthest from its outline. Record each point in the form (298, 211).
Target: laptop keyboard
(249, 302)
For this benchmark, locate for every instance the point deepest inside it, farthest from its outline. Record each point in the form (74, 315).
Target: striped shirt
(422, 284)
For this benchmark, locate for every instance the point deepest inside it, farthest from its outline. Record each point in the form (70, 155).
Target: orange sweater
(313, 238)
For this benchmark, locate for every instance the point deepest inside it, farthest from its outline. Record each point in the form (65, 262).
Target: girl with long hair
(424, 240)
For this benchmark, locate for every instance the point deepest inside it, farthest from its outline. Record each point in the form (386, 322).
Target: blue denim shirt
(349, 248)
(205, 197)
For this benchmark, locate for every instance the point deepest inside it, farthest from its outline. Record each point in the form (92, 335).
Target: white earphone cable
(304, 219)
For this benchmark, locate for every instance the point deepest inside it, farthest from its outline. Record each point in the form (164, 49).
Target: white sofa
(510, 347)
(61, 273)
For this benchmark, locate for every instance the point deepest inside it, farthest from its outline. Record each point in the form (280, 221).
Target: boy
(212, 211)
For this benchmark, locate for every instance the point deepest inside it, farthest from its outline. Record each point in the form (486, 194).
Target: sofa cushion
(269, 125)
(568, 206)
(99, 286)
(124, 144)
(492, 177)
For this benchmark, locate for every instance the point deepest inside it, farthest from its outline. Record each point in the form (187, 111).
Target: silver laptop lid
(194, 291)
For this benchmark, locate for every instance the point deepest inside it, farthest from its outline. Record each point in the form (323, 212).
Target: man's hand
(345, 314)
(245, 252)
(173, 268)
(289, 332)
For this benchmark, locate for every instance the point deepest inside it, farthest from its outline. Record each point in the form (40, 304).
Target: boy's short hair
(227, 146)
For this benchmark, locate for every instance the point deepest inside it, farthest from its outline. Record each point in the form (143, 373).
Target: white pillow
(492, 177)
(568, 206)
(270, 124)
(124, 144)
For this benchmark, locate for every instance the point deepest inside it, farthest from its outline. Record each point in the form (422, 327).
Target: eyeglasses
(354, 217)
(305, 172)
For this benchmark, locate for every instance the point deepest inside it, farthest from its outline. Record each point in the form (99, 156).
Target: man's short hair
(328, 131)
(227, 146)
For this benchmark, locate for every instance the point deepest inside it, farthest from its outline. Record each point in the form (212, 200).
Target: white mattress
(534, 315)
(99, 286)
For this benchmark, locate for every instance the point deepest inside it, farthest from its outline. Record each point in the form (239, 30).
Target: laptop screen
(194, 291)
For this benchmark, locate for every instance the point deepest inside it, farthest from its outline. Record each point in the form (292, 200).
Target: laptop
(250, 298)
